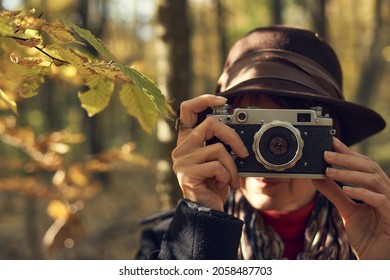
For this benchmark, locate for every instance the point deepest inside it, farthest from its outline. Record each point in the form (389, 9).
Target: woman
(225, 216)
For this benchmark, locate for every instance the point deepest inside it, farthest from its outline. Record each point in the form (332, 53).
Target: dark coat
(193, 233)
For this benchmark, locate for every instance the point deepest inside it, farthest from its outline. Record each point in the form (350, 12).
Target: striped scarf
(325, 237)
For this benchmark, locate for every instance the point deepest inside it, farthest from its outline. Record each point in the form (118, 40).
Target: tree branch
(39, 49)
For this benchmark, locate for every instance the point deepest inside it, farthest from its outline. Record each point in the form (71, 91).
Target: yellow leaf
(5, 27)
(73, 58)
(9, 14)
(25, 61)
(77, 175)
(59, 33)
(29, 22)
(105, 69)
(29, 42)
(32, 80)
(58, 210)
(139, 105)
(10, 103)
(97, 98)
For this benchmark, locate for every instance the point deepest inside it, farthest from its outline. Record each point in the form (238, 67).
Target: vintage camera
(281, 142)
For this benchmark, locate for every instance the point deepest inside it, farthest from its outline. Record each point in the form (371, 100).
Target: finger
(371, 181)
(353, 160)
(190, 109)
(211, 192)
(209, 129)
(198, 174)
(218, 152)
(372, 177)
(335, 194)
(376, 200)
(348, 161)
(215, 152)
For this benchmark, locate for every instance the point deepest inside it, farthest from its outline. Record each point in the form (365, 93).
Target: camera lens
(278, 145)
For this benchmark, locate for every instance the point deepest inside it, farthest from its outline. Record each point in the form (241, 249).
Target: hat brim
(357, 122)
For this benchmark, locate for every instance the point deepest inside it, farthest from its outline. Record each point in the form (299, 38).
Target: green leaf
(97, 98)
(139, 105)
(10, 103)
(91, 39)
(148, 87)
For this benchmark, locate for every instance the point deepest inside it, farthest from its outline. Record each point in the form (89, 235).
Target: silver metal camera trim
(260, 116)
(282, 175)
(277, 167)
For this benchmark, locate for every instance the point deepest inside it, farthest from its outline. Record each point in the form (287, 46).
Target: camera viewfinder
(303, 117)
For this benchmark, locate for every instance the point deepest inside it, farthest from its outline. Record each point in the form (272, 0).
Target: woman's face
(282, 194)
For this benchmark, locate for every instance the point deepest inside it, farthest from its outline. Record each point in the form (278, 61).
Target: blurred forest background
(104, 173)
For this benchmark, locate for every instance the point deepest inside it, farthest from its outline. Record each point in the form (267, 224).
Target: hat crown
(295, 63)
(298, 41)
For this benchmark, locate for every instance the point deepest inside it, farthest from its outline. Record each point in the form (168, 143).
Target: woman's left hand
(367, 224)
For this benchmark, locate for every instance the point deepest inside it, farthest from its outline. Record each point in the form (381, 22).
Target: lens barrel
(278, 145)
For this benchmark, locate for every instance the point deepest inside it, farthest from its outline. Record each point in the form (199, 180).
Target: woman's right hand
(205, 173)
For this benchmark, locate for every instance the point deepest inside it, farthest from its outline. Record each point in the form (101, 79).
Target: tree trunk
(318, 12)
(93, 20)
(31, 228)
(174, 67)
(221, 28)
(374, 65)
(276, 11)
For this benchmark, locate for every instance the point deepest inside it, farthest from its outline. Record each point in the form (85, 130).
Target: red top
(291, 227)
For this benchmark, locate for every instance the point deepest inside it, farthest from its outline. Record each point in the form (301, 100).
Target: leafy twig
(39, 49)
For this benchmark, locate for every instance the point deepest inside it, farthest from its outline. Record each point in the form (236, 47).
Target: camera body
(286, 143)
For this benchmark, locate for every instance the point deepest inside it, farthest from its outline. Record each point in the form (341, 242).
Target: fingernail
(245, 151)
(330, 170)
(330, 154)
(347, 188)
(336, 140)
(221, 98)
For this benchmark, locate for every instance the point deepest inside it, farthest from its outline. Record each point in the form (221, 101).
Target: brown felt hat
(291, 62)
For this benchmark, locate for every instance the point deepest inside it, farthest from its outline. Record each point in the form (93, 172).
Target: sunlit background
(114, 173)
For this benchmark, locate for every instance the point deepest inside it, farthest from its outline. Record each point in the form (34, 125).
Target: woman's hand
(367, 225)
(205, 173)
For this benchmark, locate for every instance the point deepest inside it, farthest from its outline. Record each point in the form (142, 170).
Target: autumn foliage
(46, 46)
(33, 50)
